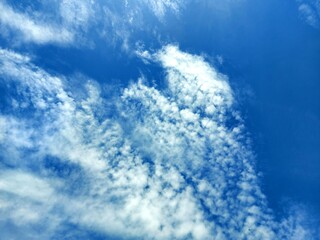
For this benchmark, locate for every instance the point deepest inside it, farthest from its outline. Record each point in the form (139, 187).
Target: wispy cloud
(32, 29)
(163, 164)
(123, 19)
(71, 22)
(310, 12)
(160, 8)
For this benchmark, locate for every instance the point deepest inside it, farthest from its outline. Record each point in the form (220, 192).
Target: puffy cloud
(188, 127)
(163, 164)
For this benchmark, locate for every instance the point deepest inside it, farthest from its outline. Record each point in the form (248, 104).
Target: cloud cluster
(173, 163)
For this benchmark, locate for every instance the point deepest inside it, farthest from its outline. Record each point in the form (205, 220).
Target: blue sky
(162, 119)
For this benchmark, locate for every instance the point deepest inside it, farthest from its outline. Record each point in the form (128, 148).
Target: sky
(160, 119)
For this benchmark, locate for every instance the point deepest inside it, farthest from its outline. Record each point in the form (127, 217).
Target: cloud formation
(68, 22)
(171, 163)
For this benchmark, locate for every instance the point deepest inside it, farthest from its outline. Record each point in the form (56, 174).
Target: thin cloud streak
(70, 22)
(33, 30)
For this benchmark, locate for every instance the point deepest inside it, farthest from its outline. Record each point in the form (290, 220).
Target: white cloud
(160, 7)
(124, 18)
(76, 13)
(310, 12)
(24, 200)
(179, 128)
(82, 22)
(25, 185)
(32, 29)
(168, 166)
